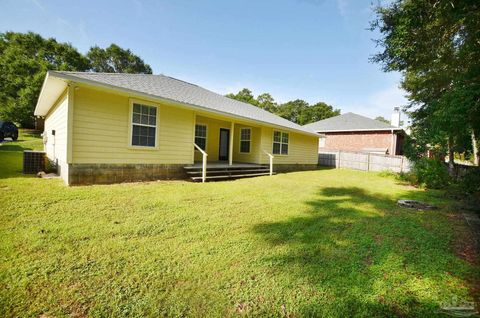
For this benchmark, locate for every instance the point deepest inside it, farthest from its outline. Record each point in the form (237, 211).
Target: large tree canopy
(26, 57)
(298, 111)
(24, 60)
(436, 46)
(114, 59)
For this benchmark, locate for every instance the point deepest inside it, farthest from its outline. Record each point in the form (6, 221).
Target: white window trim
(249, 141)
(206, 135)
(281, 143)
(322, 141)
(130, 124)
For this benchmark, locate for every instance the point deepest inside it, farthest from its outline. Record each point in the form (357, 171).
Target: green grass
(327, 243)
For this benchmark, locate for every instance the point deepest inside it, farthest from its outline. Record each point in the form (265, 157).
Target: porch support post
(230, 144)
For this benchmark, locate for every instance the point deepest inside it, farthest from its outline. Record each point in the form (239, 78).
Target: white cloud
(342, 7)
(379, 103)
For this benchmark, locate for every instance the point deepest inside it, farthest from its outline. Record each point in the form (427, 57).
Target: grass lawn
(320, 243)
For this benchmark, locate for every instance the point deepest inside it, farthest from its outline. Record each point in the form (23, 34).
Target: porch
(224, 171)
(224, 149)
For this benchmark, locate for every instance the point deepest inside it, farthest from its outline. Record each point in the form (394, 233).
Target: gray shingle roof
(348, 122)
(179, 91)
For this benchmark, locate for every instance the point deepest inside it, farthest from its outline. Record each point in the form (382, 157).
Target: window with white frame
(280, 143)
(201, 136)
(321, 141)
(245, 138)
(144, 125)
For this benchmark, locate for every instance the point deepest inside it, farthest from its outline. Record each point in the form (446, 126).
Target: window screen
(245, 137)
(201, 136)
(144, 125)
(280, 143)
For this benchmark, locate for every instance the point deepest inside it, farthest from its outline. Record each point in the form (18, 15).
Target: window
(321, 141)
(245, 137)
(201, 136)
(280, 143)
(144, 125)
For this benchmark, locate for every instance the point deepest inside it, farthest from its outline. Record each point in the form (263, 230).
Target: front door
(224, 143)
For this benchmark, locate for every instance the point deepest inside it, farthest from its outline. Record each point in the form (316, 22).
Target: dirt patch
(378, 239)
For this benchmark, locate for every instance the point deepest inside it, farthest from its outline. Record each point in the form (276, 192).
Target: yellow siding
(56, 145)
(255, 137)
(302, 148)
(213, 137)
(101, 125)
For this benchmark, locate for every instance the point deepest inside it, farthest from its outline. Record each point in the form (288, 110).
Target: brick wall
(357, 141)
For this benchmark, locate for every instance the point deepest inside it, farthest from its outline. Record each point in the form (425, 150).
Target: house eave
(359, 130)
(52, 88)
(71, 79)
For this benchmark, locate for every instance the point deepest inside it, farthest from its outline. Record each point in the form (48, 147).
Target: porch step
(236, 176)
(230, 171)
(223, 172)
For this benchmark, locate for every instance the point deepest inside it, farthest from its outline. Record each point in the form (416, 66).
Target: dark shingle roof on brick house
(349, 122)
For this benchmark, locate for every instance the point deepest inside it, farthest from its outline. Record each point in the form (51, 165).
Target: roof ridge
(129, 74)
(181, 91)
(181, 80)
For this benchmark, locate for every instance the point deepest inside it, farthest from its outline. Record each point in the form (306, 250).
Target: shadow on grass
(369, 256)
(13, 147)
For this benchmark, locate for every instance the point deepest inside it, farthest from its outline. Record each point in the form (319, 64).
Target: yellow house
(106, 128)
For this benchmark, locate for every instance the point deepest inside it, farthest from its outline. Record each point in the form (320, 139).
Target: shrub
(469, 184)
(50, 166)
(430, 173)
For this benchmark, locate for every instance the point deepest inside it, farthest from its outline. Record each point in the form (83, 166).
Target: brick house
(353, 132)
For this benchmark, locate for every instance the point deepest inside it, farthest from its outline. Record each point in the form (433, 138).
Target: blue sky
(316, 50)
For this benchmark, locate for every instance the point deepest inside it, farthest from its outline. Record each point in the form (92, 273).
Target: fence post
(368, 161)
(339, 159)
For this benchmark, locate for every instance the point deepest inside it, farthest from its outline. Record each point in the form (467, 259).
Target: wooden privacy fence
(363, 161)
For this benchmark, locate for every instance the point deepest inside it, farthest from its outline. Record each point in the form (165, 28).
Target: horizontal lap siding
(101, 132)
(255, 138)
(302, 149)
(213, 137)
(56, 146)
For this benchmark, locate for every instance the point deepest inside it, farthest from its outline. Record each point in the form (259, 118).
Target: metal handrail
(204, 162)
(271, 161)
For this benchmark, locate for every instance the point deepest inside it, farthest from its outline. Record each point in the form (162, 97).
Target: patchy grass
(320, 243)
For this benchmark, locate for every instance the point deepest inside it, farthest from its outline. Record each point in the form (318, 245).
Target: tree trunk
(451, 159)
(475, 148)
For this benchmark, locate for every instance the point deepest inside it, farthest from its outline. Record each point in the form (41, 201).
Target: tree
(244, 95)
(317, 112)
(298, 111)
(114, 59)
(26, 57)
(294, 110)
(266, 101)
(382, 119)
(24, 61)
(436, 46)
